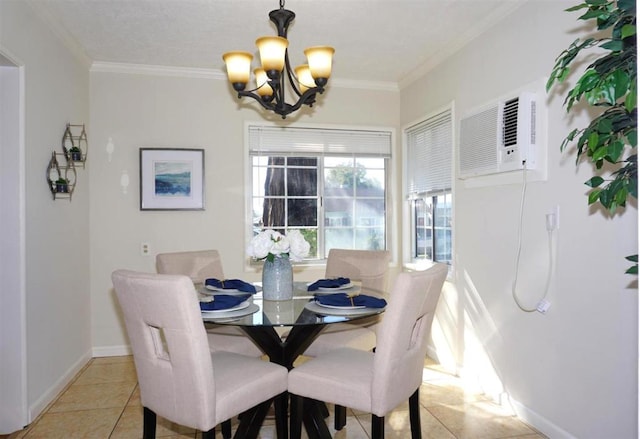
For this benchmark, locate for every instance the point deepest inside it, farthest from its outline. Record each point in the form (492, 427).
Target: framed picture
(171, 179)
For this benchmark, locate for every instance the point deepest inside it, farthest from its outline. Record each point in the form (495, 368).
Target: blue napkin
(343, 299)
(329, 283)
(231, 284)
(223, 301)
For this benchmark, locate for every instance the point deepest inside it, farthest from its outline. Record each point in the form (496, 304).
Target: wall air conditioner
(499, 137)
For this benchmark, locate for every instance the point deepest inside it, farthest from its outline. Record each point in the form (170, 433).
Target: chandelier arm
(277, 85)
(267, 104)
(307, 98)
(287, 67)
(283, 109)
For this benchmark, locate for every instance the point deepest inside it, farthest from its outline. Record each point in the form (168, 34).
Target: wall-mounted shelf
(57, 176)
(75, 145)
(62, 178)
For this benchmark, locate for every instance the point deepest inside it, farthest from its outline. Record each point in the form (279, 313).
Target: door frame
(14, 413)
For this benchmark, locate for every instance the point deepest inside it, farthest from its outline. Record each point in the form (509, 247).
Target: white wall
(57, 232)
(161, 111)
(573, 371)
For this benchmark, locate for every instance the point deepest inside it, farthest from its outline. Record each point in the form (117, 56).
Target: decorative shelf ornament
(61, 179)
(75, 144)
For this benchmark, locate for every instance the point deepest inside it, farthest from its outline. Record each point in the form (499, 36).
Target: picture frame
(171, 179)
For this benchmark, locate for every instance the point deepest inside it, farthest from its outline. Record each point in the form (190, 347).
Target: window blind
(429, 149)
(318, 141)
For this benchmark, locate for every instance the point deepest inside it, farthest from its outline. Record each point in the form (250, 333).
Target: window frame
(389, 226)
(408, 209)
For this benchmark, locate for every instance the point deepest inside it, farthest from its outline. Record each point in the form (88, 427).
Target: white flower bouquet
(270, 244)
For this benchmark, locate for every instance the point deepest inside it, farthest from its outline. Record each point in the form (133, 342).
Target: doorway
(13, 362)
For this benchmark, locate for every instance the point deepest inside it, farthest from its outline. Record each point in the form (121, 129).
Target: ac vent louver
(499, 137)
(510, 122)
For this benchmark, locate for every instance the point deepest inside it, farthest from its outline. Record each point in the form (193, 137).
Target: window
(331, 184)
(428, 187)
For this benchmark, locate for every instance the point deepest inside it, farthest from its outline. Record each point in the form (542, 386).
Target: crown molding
(151, 70)
(366, 85)
(192, 72)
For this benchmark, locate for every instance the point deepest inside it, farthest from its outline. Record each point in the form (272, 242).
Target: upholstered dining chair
(180, 379)
(377, 382)
(370, 268)
(200, 266)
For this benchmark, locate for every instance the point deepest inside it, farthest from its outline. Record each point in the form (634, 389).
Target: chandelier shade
(272, 52)
(305, 80)
(320, 59)
(275, 74)
(238, 66)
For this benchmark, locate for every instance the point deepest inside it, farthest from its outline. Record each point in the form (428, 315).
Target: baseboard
(540, 423)
(49, 396)
(112, 351)
(535, 420)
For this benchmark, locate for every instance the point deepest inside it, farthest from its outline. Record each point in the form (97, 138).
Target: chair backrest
(169, 344)
(402, 337)
(198, 265)
(370, 267)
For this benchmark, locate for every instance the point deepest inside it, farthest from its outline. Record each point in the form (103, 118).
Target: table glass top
(301, 310)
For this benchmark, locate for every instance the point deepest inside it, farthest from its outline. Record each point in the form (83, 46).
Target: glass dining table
(304, 319)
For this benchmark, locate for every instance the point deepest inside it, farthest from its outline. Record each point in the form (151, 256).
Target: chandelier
(306, 80)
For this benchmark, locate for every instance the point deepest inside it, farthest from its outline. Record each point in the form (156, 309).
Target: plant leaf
(628, 30)
(616, 149)
(594, 195)
(594, 181)
(632, 270)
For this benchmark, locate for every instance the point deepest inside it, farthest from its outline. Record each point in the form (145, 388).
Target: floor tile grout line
(440, 422)
(46, 410)
(126, 404)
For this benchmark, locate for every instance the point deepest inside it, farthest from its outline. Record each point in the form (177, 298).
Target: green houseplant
(62, 185)
(76, 154)
(608, 84)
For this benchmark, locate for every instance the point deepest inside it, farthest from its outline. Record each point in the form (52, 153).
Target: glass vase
(277, 279)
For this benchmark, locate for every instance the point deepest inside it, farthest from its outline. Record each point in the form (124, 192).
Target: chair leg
(280, 405)
(149, 424)
(324, 410)
(340, 419)
(295, 421)
(377, 427)
(249, 427)
(414, 415)
(226, 429)
(211, 434)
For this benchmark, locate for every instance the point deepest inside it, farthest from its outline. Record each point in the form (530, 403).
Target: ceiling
(387, 42)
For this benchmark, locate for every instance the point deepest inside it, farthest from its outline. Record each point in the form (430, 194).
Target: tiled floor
(103, 402)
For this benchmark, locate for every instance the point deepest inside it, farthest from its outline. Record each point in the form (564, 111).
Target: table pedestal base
(284, 352)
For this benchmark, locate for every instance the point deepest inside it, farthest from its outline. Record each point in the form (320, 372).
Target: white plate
(340, 307)
(227, 290)
(242, 305)
(314, 307)
(323, 292)
(212, 291)
(341, 287)
(227, 315)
